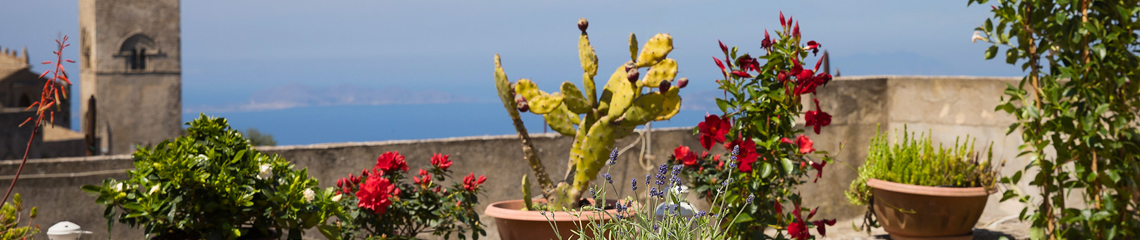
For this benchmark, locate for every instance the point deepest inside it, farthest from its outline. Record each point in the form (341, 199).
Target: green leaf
(991, 52)
(1011, 56)
(788, 165)
(1099, 50)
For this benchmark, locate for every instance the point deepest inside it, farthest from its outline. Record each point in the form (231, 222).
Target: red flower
(470, 183)
(782, 19)
(798, 230)
(813, 46)
(742, 74)
(796, 67)
(805, 144)
(796, 30)
(721, 65)
(822, 79)
(441, 161)
(723, 48)
(390, 161)
(713, 130)
(817, 118)
(719, 163)
(747, 154)
(747, 63)
(819, 169)
(767, 42)
(682, 154)
(782, 76)
(820, 226)
(779, 208)
(375, 194)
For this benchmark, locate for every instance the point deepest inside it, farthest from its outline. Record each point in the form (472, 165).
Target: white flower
(978, 36)
(309, 195)
(266, 172)
(336, 198)
(154, 189)
(201, 158)
(118, 187)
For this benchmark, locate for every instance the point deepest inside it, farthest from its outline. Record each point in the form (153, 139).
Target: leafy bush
(916, 161)
(212, 184)
(379, 205)
(1077, 100)
(10, 228)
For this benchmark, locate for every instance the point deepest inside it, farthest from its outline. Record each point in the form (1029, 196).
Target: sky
(242, 57)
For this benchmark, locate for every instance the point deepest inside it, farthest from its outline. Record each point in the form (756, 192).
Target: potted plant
(595, 120)
(771, 153)
(211, 184)
(915, 190)
(380, 204)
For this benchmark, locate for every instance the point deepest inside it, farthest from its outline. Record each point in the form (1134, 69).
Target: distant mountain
(295, 95)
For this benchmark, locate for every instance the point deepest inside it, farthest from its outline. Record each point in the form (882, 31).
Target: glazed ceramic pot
(920, 212)
(515, 224)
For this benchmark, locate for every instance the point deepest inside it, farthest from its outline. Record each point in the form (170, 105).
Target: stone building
(131, 71)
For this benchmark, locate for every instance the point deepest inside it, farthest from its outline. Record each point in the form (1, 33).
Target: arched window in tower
(25, 100)
(136, 49)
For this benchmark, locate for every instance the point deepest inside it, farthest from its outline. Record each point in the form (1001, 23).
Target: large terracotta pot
(515, 224)
(919, 212)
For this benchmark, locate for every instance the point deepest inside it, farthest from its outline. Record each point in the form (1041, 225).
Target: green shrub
(10, 218)
(212, 184)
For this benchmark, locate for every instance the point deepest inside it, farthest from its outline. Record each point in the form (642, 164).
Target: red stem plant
(49, 98)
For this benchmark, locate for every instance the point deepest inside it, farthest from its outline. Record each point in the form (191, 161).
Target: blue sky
(234, 49)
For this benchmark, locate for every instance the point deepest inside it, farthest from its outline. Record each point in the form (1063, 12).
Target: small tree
(257, 138)
(1078, 100)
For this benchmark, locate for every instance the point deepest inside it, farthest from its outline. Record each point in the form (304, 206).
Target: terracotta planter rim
(497, 211)
(932, 191)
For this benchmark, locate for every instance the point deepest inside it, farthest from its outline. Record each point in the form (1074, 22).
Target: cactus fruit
(596, 121)
(527, 204)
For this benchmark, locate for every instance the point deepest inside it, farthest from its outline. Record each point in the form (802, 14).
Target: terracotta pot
(513, 223)
(919, 212)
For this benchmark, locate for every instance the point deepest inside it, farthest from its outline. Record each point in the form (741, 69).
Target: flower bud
(664, 87)
(682, 82)
(583, 24)
(364, 173)
(523, 106)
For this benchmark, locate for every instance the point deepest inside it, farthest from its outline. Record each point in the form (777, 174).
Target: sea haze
(360, 123)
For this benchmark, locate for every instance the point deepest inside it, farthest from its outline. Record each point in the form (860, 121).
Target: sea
(363, 123)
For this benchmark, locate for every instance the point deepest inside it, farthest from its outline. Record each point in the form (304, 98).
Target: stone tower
(130, 71)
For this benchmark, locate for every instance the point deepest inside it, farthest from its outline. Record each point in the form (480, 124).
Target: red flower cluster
(441, 161)
(713, 130)
(470, 183)
(390, 161)
(689, 158)
(376, 194)
(425, 181)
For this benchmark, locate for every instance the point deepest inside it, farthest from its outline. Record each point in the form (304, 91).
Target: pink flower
(441, 161)
(391, 161)
(712, 130)
(376, 194)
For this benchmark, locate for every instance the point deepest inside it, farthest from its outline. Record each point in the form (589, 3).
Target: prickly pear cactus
(596, 121)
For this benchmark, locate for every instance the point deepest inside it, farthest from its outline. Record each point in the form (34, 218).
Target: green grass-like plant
(914, 160)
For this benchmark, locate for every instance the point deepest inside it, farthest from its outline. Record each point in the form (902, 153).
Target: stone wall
(948, 106)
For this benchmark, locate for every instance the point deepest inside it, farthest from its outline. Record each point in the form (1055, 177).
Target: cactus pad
(665, 70)
(586, 55)
(572, 98)
(526, 88)
(672, 104)
(644, 109)
(545, 103)
(560, 120)
(655, 50)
